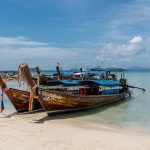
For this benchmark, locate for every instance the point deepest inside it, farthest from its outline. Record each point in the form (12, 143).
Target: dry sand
(39, 132)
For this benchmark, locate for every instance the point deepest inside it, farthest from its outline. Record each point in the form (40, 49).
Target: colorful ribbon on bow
(4, 89)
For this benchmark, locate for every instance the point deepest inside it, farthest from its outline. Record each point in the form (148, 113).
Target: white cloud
(46, 56)
(23, 41)
(131, 18)
(121, 51)
(136, 39)
(15, 50)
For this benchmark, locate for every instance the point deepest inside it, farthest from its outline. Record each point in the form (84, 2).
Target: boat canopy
(101, 82)
(85, 82)
(98, 69)
(106, 82)
(69, 82)
(63, 82)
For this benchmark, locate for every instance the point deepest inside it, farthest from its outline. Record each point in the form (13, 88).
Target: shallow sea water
(134, 111)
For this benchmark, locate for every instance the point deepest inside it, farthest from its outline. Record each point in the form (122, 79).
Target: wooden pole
(58, 72)
(38, 75)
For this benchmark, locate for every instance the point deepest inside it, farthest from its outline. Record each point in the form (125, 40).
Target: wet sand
(39, 132)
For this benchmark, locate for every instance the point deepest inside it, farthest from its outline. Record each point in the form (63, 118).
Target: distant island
(135, 68)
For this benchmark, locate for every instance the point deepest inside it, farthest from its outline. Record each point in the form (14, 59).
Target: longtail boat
(19, 98)
(42, 79)
(58, 101)
(60, 75)
(45, 80)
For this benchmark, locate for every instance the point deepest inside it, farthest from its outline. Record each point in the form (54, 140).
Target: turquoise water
(134, 111)
(9, 109)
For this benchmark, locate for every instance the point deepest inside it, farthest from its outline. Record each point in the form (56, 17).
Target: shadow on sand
(81, 113)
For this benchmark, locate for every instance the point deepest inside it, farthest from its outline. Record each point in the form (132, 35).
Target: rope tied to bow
(36, 90)
(33, 94)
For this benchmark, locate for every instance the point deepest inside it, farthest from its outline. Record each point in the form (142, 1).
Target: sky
(88, 33)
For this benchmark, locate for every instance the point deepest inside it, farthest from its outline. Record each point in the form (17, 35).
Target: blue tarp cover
(87, 82)
(100, 82)
(64, 82)
(106, 82)
(98, 69)
(69, 82)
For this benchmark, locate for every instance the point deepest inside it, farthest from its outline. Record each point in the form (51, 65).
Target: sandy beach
(39, 132)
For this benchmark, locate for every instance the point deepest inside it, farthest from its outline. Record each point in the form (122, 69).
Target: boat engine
(125, 86)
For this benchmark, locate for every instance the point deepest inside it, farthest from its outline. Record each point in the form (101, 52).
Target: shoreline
(84, 116)
(68, 132)
(78, 118)
(38, 131)
(131, 127)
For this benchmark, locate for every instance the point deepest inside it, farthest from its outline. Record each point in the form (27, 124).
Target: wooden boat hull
(66, 101)
(58, 102)
(20, 100)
